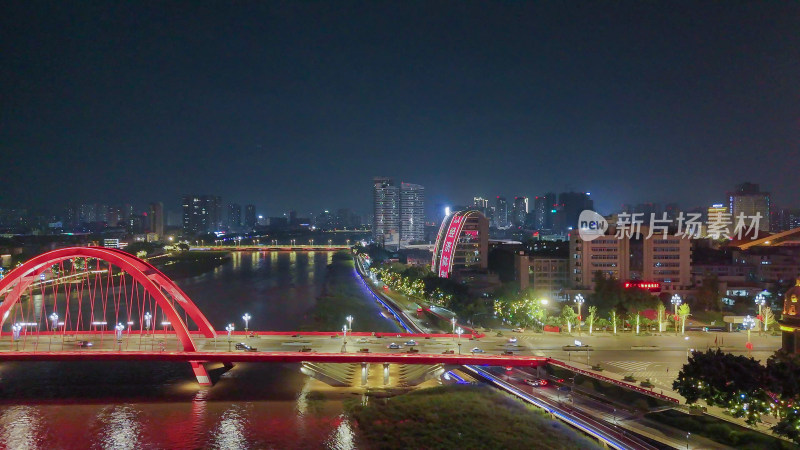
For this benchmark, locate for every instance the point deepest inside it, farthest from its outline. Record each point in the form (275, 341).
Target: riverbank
(188, 264)
(343, 295)
(461, 416)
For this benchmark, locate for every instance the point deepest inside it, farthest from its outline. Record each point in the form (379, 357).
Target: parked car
(477, 350)
(245, 347)
(411, 343)
(362, 340)
(518, 330)
(394, 346)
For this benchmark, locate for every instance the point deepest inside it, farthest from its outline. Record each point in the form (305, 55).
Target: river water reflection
(159, 405)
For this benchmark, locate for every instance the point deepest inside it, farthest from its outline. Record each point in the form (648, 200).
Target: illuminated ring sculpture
(143, 272)
(447, 240)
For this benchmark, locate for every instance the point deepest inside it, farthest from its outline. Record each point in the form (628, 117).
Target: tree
(568, 316)
(708, 295)
(591, 318)
(683, 313)
(768, 317)
(660, 310)
(613, 319)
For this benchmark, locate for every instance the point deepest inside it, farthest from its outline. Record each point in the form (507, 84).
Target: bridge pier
(364, 373)
(201, 373)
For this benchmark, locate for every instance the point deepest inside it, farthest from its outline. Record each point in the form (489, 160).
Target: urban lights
(748, 323)
(760, 302)
(459, 332)
(579, 301)
(453, 321)
(246, 317)
(229, 329)
(676, 302)
(147, 318)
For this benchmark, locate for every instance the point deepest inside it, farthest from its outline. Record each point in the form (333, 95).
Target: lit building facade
(201, 213)
(462, 243)
(748, 199)
(520, 211)
(386, 212)
(412, 213)
(501, 213)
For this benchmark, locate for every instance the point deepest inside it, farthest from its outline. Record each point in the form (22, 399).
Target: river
(159, 405)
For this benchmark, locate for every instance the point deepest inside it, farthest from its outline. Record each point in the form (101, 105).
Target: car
(245, 347)
(477, 350)
(394, 346)
(448, 352)
(362, 340)
(83, 343)
(535, 382)
(411, 343)
(512, 340)
(518, 330)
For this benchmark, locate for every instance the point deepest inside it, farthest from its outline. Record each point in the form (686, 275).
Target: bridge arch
(154, 282)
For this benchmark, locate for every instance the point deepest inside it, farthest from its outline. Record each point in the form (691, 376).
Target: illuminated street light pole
(676, 301)
(119, 329)
(229, 329)
(579, 301)
(544, 303)
(349, 320)
(760, 301)
(246, 317)
(54, 319)
(147, 317)
(748, 323)
(453, 321)
(15, 332)
(459, 331)
(344, 338)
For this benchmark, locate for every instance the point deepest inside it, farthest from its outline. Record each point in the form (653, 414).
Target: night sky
(299, 104)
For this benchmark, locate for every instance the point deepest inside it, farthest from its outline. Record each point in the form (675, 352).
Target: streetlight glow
(246, 317)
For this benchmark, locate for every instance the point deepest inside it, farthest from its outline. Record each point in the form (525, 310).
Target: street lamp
(760, 301)
(453, 321)
(748, 323)
(15, 332)
(579, 301)
(676, 301)
(344, 338)
(349, 320)
(54, 319)
(229, 329)
(459, 332)
(246, 317)
(147, 317)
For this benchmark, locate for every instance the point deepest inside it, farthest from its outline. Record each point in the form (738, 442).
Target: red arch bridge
(95, 303)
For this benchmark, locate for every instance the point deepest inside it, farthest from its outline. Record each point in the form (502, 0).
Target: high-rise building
(234, 215)
(572, 204)
(200, 213)
(520, 211)
(748, 200)
(412, 213)
(250, 217)
(480, 203)
(156, 217)
(501, 213)
(785, 219)
(386, 212)
(544, 209)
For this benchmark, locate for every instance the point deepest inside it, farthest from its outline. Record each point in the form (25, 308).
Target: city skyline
(527, 102)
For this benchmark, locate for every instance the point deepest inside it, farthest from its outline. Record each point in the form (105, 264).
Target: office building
(501, 213)
(572, 203)
(386, 212)
(544, 211)
(234, 219)
(201, 213)
(250, 217)
(156, 216)
(520, 211)
(747, 199)
(412, 213)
